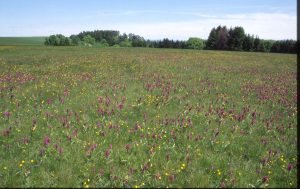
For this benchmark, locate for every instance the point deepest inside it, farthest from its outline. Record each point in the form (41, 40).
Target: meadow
(22, 40)
(140, 117)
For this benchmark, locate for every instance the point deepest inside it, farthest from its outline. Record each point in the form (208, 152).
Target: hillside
(22, 40)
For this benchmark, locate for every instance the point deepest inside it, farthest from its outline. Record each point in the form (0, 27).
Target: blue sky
(153, 19)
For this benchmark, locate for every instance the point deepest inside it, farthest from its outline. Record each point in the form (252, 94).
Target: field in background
(22, 40)
(135, 117)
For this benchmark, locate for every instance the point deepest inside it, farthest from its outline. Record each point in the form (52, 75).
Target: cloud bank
(266, 25)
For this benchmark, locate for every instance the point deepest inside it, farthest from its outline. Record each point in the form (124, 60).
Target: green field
(22, 40)
(138, 117)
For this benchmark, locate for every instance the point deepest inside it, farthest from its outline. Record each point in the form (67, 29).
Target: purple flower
(60, 150)
(265, 179)
(46, 141)
(171, 178)
(107, 153)
(49, 101)
(289, 167)
(66, 92)
(61, 100)
(6, 114)
(120, 106)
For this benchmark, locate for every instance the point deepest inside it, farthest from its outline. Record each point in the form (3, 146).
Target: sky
(152, 19)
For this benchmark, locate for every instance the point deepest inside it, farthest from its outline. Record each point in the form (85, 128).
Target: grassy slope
(22, 40)
(217, 149)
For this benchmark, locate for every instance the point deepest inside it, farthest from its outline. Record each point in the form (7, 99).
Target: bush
(125, 43)
(57, 40)
(89, 40)
(195, 43)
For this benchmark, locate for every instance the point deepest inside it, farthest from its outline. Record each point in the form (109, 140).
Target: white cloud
(265, 25)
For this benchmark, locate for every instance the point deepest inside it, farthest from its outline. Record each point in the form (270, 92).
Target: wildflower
(46, 141)
(183, 166)
(289, 167)
(107, 153)
(33, 128)
(4, 168)
(60, 150)
(265, 179)
(32, 161)
(127, 147)
(86, 183)
(20, 165)
(6, 114)
(171, 178)
(157, 176)
(120, 106)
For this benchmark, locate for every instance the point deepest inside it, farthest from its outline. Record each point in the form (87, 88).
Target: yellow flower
(4, 168)
(269, 172)
(23, 161)
(32, 161)
(20, 165)
(182, 166)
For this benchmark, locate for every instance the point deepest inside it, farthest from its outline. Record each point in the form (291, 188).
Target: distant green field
(22, 40)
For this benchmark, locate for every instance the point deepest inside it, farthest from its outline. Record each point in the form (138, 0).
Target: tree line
(235, 39)
(220, 38)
